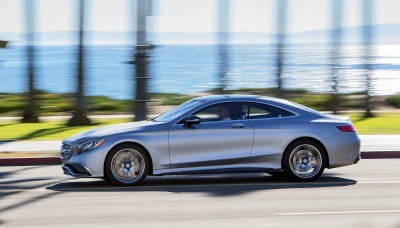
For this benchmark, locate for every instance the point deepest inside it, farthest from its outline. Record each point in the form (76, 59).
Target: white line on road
(341, 212)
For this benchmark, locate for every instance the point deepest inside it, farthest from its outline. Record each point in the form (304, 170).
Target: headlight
(88, 145)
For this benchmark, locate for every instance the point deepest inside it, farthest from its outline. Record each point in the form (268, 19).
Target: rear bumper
(357, 159)
(343, 149)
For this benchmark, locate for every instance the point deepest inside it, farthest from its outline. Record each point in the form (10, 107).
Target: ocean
(194, 68)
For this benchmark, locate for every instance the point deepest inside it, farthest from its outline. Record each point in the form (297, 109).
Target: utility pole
(29, 114)
(336, 50)
(367, 34)
(141, 59)
(80, 114)
(223, 36)
(280, 37)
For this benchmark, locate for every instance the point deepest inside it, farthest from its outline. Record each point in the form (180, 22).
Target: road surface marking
(342, 212)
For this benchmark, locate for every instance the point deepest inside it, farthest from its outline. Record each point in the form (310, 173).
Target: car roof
(224, 97)
(271, 100)
(227, 97)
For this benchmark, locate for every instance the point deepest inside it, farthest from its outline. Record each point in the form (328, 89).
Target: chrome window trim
(198, 109)
(238, 101)
(274, 118)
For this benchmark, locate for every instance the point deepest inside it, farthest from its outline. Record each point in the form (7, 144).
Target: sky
(194, 16)
(190, 15)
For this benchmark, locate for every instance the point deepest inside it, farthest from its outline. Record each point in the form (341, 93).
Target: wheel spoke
(127, 165)
(305, 161)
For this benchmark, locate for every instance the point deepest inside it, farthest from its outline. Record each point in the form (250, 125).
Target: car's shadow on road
(214, 185)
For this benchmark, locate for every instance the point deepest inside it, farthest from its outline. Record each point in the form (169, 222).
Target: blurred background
(69, 65)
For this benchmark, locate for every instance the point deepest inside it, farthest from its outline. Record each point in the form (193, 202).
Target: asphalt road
(362, 195)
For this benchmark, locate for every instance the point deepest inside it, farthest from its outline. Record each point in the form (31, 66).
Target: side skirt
(213, 170)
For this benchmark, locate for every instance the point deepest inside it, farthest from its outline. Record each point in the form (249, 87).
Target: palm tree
(280, 44)
(223, 18)
(336, 35)
(367, 55)
(141, 75)
(29, 114)
(80, 116)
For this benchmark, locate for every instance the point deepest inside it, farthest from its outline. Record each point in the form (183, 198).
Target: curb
(57, 160)
(30, 161)
(380, 154)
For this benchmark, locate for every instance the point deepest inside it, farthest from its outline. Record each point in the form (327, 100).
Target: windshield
(177, 111)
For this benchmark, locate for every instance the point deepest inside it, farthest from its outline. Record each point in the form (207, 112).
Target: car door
(274, 127)
(215, 140)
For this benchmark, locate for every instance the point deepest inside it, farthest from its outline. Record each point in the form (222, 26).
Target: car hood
(113, 129)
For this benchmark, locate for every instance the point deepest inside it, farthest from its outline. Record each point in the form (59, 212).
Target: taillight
(347, 128)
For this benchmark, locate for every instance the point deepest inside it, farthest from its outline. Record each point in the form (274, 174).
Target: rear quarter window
(264, 111)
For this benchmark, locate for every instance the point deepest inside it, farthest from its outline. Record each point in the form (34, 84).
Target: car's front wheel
(127, 164)
(304, 160)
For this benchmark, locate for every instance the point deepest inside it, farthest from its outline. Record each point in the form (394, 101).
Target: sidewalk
(369, 143)
(120, 116)
(380, 142)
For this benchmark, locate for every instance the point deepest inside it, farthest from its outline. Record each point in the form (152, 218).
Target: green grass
(51, 130)
(394, 100)
(383, 123)
(61, 104)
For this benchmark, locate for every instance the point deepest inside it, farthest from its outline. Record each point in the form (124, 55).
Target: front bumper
(87, 164)
(76, 170)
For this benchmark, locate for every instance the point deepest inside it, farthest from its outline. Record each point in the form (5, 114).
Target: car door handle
(238, 125)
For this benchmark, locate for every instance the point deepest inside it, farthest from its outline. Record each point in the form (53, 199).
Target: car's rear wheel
(304, 160)
(127, 165)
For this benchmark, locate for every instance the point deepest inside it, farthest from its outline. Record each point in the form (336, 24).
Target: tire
(304, 160)
(127, 165)
(106, 178)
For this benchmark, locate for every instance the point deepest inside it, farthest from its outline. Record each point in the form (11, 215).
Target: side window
(262, 111)
(208, 114)
(223, 111)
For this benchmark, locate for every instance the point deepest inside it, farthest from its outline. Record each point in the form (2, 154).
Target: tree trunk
(336, 45)
(80, 116)
(281, 21)
(30, 114)
(223, 19)
(367, 56)
(141, 58)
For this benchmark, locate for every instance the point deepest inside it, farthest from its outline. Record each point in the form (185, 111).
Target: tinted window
(223, 111)
(177, 111)
(261, 111)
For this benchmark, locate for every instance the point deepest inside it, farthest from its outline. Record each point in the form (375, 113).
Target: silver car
(216, 134)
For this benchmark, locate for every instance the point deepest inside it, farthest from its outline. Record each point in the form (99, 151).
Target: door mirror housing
(190, 120)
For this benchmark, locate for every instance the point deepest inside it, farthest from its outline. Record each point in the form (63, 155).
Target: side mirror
(190, 120)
